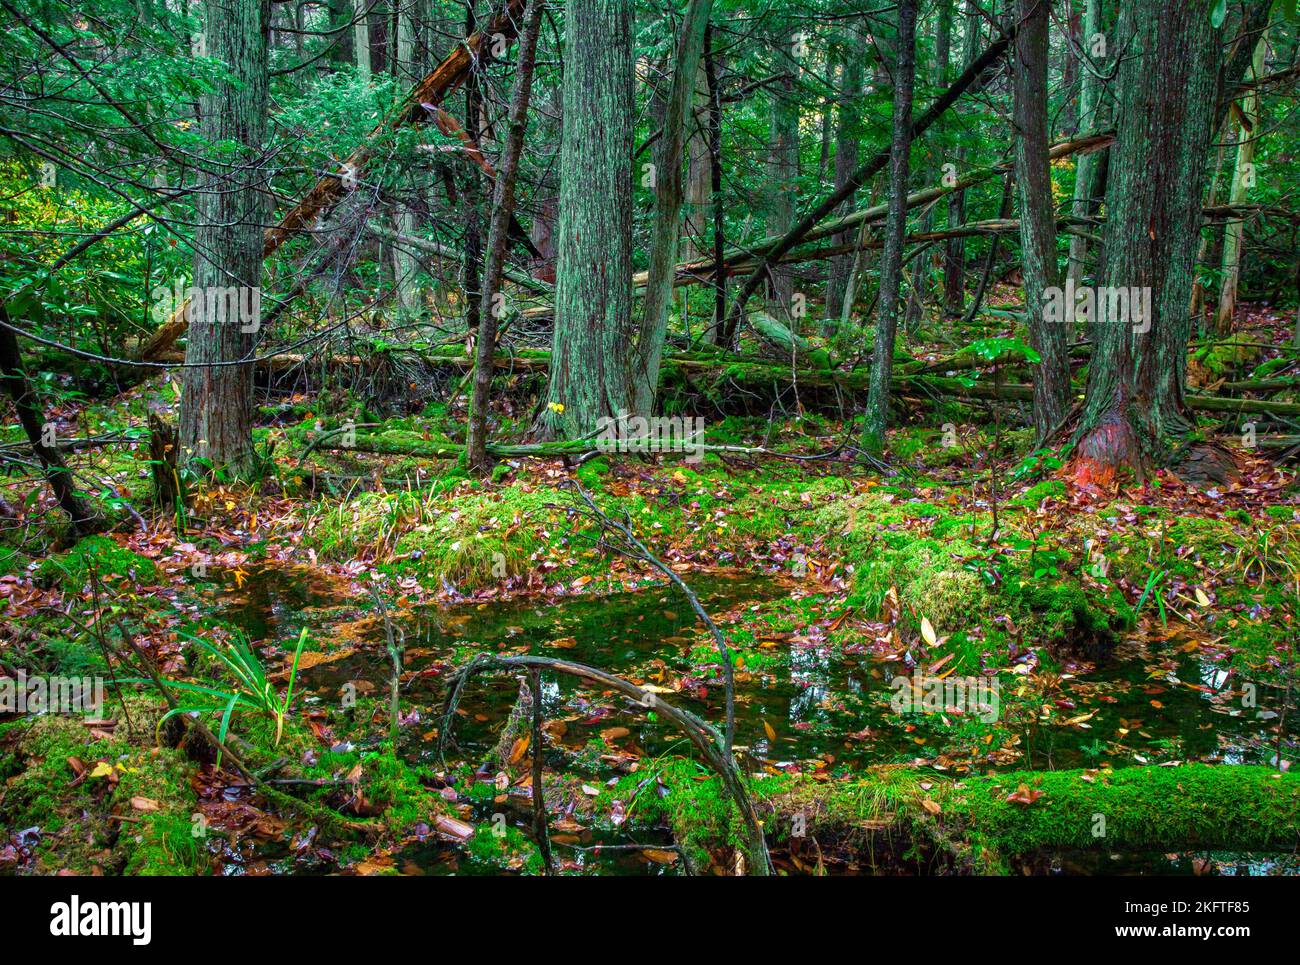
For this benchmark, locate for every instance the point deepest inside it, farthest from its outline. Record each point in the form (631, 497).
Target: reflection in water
(810, 704)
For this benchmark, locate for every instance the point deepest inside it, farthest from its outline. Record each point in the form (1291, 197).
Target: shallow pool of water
(811, 706)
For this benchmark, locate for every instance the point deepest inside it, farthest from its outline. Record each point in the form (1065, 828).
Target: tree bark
(782, 175)
(699, 170)
(847, 130)
(361, 38)
(891, 262)
(1037, 218)
(715, 178)
(1135, 413)
(503, 205)
(1092, 116)
(1243, 176)
(217, 406)
(665, 230)
(405, 264)
(593, 290)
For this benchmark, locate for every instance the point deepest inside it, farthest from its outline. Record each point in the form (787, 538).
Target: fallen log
(982, 822)
(910, 375)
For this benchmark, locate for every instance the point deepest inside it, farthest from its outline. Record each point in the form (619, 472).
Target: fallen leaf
(927, 632)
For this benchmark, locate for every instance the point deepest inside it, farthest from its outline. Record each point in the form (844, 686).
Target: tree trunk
(1135, 412)
(1037, 217)
(503, 206)
(1091, 117)
(405, 264)
(782, 174)
(665, 229)
(891, 262)
(361, 38)
(848, 126)
(593, 289)
(1243, 177)
(715, 186)
(27, 406)
(954, 254)
(699, 170)
(217, 406)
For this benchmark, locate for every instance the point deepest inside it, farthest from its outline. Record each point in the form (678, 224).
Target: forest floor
(1139, 645)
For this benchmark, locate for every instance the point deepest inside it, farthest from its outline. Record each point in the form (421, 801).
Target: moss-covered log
(980, 822)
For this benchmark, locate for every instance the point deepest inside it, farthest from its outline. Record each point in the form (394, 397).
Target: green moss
(504, 846)
(686, 797)
(387, 783)
(480, 536)
(81, 819)
(1145, 809)
(111, 562)
(977, 823)
(1221, 359)
(591, 473)
(930, 578)
(1032, 497)
(1061, 611)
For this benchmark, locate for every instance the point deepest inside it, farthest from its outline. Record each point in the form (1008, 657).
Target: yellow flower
(555, 406)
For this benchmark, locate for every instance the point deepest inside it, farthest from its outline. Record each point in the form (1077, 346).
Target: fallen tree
(972, 78)
(756, 370)
(982, 824)
(417, 107)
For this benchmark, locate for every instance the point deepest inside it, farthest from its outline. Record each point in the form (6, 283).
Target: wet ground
(801, 703)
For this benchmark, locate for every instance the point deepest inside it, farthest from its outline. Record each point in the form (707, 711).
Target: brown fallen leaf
(658, 856)
(931, 805)
(144, 804)
(453, 827)
(1024, 794)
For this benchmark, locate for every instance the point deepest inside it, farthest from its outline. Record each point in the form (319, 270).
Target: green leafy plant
(253, 691)
(1154, 591)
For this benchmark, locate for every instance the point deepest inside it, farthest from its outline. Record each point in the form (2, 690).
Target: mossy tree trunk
(1037, 215)
(666, 228)
(591, 374)
(27, 406)
(891, 261)
(1243, 177)
(1092, 114)
(1135, 411)
(217, 406)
